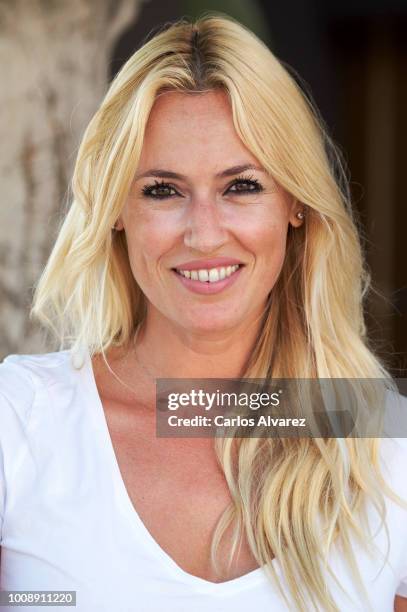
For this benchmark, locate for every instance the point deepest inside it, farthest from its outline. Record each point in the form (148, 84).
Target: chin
(209, 323)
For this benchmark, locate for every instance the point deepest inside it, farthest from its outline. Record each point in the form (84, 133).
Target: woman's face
(205, 226)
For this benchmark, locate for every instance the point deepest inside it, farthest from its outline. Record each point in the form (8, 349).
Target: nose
(205, 230)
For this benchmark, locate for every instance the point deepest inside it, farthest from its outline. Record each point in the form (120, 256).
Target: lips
(209, 276)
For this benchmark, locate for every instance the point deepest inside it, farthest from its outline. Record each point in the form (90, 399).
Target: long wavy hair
(312, 328)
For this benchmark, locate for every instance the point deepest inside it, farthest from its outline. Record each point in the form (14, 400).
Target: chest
(178, 491)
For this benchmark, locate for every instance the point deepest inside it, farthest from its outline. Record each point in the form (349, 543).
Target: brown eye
(246, 186)
(159, 191)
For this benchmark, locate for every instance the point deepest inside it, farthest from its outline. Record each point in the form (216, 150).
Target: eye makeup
(148, 190)
(252, 186)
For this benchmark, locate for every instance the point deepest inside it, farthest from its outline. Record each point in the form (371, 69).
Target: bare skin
(400, 604)
(176, 485)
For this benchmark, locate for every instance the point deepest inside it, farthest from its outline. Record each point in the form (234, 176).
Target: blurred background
(58, 56)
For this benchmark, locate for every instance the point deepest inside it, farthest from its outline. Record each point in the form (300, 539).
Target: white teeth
(203, 275)
(213, 275)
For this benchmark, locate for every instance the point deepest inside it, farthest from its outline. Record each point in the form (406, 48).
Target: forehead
(188, 127)
(174, 104)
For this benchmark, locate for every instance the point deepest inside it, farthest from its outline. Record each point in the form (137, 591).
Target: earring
(300, 215)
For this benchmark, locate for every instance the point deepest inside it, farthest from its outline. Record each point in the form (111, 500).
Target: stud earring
(300, 215)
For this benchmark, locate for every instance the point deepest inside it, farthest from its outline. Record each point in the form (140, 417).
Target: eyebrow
(158, 172)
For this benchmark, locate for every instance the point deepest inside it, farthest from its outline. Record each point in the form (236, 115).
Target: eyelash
(147, 190)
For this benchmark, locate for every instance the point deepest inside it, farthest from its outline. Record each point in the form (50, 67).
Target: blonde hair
(314, 325)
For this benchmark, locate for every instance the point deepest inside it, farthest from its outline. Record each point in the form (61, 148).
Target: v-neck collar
(251, 579)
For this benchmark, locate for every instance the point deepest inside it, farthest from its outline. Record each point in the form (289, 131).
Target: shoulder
(393, 463)
(24, 377)
(393, 445)
(31, 388)
(395, 417)
(393, 455)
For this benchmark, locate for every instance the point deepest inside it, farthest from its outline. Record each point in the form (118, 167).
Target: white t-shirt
(67, 521)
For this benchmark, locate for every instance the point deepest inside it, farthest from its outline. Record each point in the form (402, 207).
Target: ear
(118, 226)
(295, 218)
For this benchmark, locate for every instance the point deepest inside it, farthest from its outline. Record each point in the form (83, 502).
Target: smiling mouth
(209, 275)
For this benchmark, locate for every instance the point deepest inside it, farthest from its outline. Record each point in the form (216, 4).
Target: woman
(209, 236)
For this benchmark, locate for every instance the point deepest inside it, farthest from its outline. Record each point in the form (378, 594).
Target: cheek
(267, 243)
(149, 238)
(265, 238)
